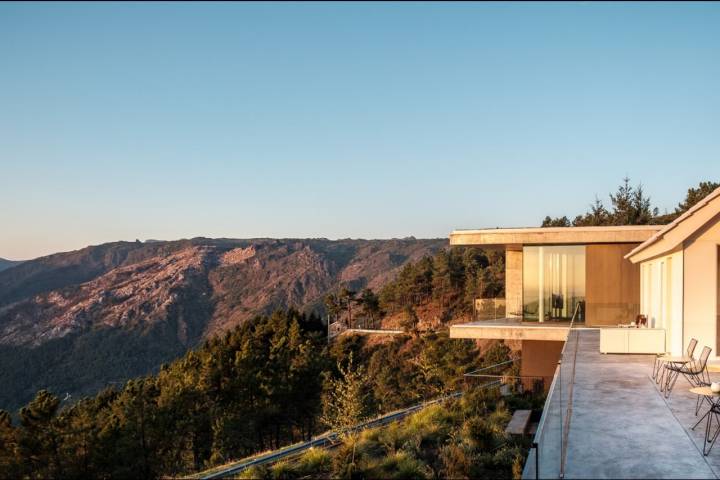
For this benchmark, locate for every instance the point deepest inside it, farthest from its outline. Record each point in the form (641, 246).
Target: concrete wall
(612, 285)
(700, 309)
(513, 282)
(539, 359)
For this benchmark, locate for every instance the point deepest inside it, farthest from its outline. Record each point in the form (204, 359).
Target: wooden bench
(519, 422)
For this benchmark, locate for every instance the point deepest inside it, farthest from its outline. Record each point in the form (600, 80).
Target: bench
(519, 422)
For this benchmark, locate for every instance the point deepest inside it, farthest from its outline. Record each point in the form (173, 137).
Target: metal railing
(330, 439)
(548, 455)
(325, 440)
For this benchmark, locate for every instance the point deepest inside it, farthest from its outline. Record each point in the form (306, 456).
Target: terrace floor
(622, 427)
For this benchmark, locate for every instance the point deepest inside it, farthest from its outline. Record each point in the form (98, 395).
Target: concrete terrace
(510, 328)
(622, 427)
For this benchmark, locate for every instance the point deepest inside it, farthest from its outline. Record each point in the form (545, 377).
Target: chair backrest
(702, 361)
(691, 347)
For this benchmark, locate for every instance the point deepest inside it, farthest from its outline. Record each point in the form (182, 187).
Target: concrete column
(541, 284)
(513, 282)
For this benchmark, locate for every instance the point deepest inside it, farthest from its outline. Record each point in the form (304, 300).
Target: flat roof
(554, 235)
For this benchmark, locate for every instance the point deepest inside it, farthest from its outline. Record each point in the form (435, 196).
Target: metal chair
(695, 372)
(658, 370)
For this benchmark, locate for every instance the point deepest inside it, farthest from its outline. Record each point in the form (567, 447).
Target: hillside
(266, 384)
(75, 322)
(5, 264)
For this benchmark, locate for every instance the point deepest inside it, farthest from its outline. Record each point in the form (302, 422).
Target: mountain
(76, 322)
(5, 264)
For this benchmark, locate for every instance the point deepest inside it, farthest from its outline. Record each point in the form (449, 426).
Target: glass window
(553, 282)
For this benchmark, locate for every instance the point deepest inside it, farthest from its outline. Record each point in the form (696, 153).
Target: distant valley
(79, 321)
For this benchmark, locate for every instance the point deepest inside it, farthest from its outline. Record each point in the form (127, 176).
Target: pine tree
(9, 455)
(349, 403)
(349, 398)
(694, 195)
(39, 441)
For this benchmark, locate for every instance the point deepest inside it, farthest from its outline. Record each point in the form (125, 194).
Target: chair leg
(672, 378)
(701, 419)
(708, 439)
(707, 432)
(666, 381)
(656, 368)
(661, 377)
(697, 405)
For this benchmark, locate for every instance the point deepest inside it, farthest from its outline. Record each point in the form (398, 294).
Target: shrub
(314, 461)
(401, 465)
(456, 460)
(479, 433)
(283, 471)
(255, 472)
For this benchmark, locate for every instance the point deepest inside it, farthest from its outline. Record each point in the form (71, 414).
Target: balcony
(604, 417)
(495, 319)
(512, 329)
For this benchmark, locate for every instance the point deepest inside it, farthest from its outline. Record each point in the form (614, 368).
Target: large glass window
(553, 282)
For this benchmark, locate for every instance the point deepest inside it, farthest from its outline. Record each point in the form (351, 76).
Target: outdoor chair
(695, 372)
(660, 361)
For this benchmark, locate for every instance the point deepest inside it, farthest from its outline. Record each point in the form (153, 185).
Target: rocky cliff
(75, 322)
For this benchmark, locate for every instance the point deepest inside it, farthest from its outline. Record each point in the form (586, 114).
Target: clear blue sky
(125, 121)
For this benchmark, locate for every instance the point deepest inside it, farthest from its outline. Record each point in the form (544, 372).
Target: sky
(361, 120)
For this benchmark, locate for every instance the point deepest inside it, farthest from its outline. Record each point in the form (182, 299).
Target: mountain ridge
(122, 309)
(5, 263)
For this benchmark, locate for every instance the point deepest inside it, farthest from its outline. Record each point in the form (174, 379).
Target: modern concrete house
(604, 416)
(680, 276)
(555, 275)
(604, 277)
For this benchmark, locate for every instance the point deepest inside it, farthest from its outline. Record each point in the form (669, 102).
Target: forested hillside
(265, 383)
(76, 322)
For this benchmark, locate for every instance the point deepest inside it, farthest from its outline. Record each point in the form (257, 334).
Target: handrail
(577, 310)
(330, 437)
(474, 372)
(568, 356)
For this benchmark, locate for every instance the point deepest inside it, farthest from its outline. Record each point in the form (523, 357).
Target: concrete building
(604, 416)
(680, 276)
(605, 277)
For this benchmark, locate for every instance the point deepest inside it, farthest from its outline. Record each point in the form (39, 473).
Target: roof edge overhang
(672, 236)
(517, 237)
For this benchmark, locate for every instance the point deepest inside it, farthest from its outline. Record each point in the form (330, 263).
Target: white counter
(632, 340)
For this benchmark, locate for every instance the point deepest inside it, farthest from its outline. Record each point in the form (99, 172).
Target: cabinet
(632, 340)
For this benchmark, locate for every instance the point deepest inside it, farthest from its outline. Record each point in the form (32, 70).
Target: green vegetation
(274, 381)
(631, 206)
(269, 383)
(462, 438)
(452, 279)
(449, 282)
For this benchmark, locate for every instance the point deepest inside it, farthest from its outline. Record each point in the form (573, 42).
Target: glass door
(553, 282)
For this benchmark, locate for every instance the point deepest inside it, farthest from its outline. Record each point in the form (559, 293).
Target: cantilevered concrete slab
(511, 329)
(517, 237)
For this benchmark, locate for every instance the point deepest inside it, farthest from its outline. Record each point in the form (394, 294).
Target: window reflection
(553, 282)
